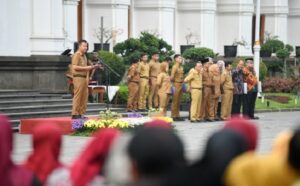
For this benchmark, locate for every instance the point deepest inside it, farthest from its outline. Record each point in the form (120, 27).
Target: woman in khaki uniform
(227, 96)
(164, 87)
(216, 91)
(133, 86)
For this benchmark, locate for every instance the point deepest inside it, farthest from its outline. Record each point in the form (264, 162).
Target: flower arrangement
(109, 119)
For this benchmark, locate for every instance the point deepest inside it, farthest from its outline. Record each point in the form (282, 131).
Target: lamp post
(257, 40)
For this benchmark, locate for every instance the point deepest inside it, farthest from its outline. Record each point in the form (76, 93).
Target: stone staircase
(21, 104)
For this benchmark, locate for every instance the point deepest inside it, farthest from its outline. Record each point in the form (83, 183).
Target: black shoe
(254, 118)
(129, 110)
(181, 119)
(200, 120)
(209, 120)
(194, 121)
(176, 119)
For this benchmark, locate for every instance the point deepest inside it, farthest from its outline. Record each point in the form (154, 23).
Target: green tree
(116, 63)
(147, 43)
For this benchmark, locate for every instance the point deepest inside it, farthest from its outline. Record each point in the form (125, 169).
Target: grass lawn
(277, 105)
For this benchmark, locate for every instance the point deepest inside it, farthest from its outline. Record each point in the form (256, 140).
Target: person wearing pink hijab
(11, 174)
(87, 169)
(44, 160)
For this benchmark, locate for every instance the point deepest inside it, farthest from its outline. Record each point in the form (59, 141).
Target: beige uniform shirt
(143, 69)
(164, 83)
(177, 73)
(79, 60)
(195, 79)
(226, 80)
(133, 74)
(154, 68)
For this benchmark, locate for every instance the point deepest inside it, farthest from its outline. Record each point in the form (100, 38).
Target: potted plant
(189, 37)
(297, 51)
(231, 50)
(270, 45)
(108, 34)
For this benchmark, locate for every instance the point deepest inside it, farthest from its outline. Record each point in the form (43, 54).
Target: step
(29, 97)
(55, 113)
(17, 92)
(45, 107)
(17, 103)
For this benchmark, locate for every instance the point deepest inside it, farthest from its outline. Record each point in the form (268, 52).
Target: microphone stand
(107, 69)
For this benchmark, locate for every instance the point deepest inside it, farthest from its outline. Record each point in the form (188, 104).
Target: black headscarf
(221, 148)
(156, 151)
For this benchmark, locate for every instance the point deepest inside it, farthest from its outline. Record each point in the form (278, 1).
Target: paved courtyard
(193, 135)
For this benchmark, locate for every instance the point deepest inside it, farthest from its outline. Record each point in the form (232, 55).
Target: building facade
(48, 27)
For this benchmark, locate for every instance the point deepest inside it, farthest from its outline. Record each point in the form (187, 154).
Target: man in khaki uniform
(227, 97)
(154, 67)
(207, 91)
(195, 81)
(177, 76)
(133, 86)
(143, 70)
(216, 91)
(164, 87)
(80, 71)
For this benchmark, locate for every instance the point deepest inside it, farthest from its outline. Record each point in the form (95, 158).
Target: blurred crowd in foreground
(154, 156)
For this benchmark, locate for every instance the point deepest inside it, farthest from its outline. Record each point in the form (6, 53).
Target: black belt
(79, 75)
(197, 88)
(144, 77)
(178, 81)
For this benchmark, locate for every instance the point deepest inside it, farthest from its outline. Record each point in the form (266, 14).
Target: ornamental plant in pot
(108, 35)
(192, 39)
(231, 50)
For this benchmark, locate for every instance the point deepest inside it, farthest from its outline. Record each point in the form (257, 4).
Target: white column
(198, 18)
(235, 23)
(47, 27)
(293, 23)
(115, 14)
(157, 16)
(15, 27)
(257, 40)
(276, 12)
(70, 23)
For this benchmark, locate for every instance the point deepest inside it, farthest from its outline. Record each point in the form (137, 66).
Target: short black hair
(82, 41)
(156, 151)
(176, 56)
(134, 60)
(249, 59)
(143, 54)
(294, 150)
(168, 59)
(227, 64)
(154, 53)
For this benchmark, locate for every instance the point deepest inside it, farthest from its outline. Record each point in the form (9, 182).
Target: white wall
(276, 12)
(293, 23)
(235, 23)
(15, 27)
(198, 18)
(115, 14)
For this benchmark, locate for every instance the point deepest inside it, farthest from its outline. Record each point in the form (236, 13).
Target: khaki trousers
(227, 98)
(213, 108)
(204, 111)
(163, 102)
(153, 95)
(80, 97)
(133, 90)
(196, 95)
(176, 100)
(143, 93)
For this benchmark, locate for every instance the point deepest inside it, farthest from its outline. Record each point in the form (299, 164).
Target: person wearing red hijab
(246, 128)
(11, 174)
(87, 168)
(47, 140)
